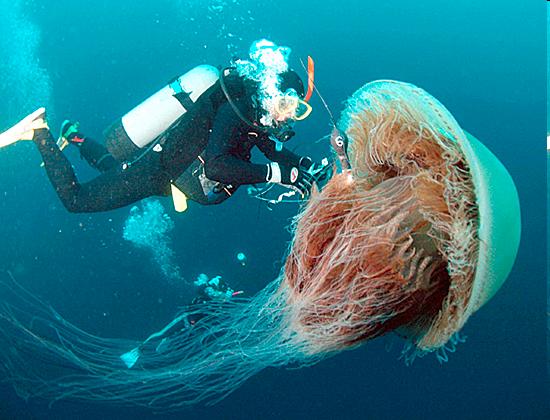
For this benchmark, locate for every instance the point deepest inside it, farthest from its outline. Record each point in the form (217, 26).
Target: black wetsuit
(210, 129)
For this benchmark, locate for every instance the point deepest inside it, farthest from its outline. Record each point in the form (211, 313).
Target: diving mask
(290, 106)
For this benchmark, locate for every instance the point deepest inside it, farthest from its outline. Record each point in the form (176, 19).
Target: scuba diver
(214, 289)
(191, 140)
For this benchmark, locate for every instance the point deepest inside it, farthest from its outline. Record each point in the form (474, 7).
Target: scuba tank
(127, 136)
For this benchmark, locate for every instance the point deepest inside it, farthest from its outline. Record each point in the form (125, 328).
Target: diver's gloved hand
(318, 171)
(292, 177)
(306, 163)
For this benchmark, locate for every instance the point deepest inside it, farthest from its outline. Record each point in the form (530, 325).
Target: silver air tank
(127, 136)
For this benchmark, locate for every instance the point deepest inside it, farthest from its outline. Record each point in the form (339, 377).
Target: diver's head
(279, 93)
(288, 103)
(291, 80)
(285, 106)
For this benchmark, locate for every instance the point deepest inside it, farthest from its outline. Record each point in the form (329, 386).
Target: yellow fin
(179, 198)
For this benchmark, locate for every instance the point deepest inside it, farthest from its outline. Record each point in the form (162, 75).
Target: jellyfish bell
(499, 221)
(423, 236)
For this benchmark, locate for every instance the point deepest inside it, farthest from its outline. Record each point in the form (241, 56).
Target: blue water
(484, 60)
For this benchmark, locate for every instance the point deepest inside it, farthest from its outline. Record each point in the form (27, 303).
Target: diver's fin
(179, 198)
(68, 128)
(131, 357)
(24, 129)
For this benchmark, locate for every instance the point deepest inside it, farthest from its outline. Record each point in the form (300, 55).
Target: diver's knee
(71, 207)
(71, 203)
(41, 135)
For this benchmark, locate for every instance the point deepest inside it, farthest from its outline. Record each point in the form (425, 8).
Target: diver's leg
(177, 324)
(97, 155)
(156, 341)
(113, 189)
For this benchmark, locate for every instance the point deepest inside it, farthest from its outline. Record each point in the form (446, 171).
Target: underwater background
(94, 61)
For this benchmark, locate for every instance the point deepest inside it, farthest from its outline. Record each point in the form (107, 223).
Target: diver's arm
(284, 156)
(220, 165)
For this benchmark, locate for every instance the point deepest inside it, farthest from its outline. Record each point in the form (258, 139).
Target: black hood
(290, 79)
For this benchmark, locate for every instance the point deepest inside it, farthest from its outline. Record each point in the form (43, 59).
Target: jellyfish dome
(414, 238)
